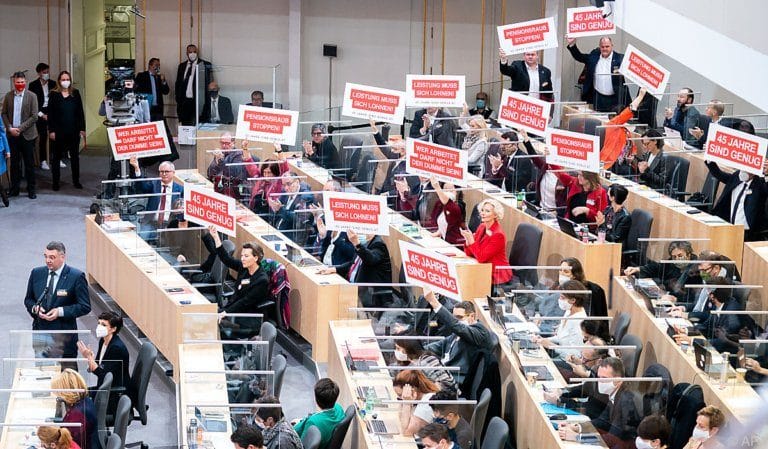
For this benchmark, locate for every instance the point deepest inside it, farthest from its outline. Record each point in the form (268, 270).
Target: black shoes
(4, 196)
(78, 185)
(32, 195)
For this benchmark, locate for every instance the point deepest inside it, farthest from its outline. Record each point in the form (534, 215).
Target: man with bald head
(527, 75)
(217, 108)
(603, 87)
(161, 194)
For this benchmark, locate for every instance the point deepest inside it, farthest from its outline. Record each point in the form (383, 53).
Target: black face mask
(213, 93)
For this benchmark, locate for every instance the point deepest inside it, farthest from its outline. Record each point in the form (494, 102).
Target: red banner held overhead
(141, 140)
(426, 268)
(430, 159)
(206, 207)
(736, 149)
(523, 112)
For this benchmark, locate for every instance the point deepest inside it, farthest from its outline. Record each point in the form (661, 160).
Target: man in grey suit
(19, 117)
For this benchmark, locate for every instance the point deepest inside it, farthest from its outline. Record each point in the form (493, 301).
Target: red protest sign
(429, 269)
(267, 125)
(527, 36)
(206, 207)
(736, 149)
(434, 90)
(364, 214)
(142, 140)
(588, 21)
(644, 71)
(573, 150)
(367, 102)
(430, 159)
(523, 112)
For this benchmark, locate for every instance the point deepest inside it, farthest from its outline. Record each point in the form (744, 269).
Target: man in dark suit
(468, 336)
(186, 85)
(602, 87)
(508, 164)
(57, 294)
(522, 72)
(748, 193)
(653, 167)
(171, 192)
(19, 117)
(217, 108)
(370, 265)
(41, 87)
(715, 109)
(284, 208)
(152, 82)
(425, 127)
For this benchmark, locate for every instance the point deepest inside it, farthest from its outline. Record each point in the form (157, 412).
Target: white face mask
(642, 444)
(561, 279)
(743, 176)
(363, 239)
(564, 304)
(700, 434)
(101, 331)
(46, 76)
(192, 56)
(451, 195)
(66, 84)
(605, 387)
(400, 356)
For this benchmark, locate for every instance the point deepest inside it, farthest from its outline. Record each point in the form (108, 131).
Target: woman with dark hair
(653, 433)
(586, 196)
(66, 125)
(447, 213)
(595, 305)
(410, 352)
(270, 183)
(569, 330)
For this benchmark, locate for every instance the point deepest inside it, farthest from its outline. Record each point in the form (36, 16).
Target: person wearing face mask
(568, 332)
(152, 82)
(447, 213)
(66, 126)
(717, 327)
(482, 106)
(709, 421)
(584, 366)
(617, 424)
(653, 433)
(187, 85)
(19, 115)
(459, 431)
(434, 124)
(42, 88)
(697, 304)
(277, 432)
(742, 200)
(217, 108)
(436, 436)
(410, 352)
(675, 276)
(111, 355)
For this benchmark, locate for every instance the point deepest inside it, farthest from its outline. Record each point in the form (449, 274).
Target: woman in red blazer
(447, 213)
(488, 243)
(586, 196)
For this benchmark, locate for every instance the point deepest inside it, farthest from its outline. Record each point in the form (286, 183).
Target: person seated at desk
(447, 214)
(652, 166)
(742, 200)
(330, 413)
(697, 305)
(653, 433)
(79, 407)
(286, 207)
(415, 202)
(434, 124)
(475, 143)
(583, 366)
(410, 352)
(321, 149)
(229, 179)
(595, 303)
(717, 327)
(217, 108)
(277, 432)
(335, 247)
(448, 415)
(270, 182)
(569, 330)
(709, 421)
(413, 385)
(482, 106)
(684, 117)
(113, 356)
(507, 163)
(672, 277)
(617, 147)
(252, 286)
(617, 424)
(170, 190)
(551, 194)
(56, 438)
(437, 436)
(615, 219)
(247, 437)
(371, 264)
(468, 339)
(488, 243)
(394, 149)
(586, 196)
(585, 363)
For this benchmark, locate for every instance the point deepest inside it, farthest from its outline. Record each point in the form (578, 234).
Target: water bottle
(192, 433)
(520, 199)
(724, 370)
(369, 401)
(584, 234)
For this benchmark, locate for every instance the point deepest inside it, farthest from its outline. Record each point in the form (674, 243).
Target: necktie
(353, 269)
(189, 72)
(738, 201)
(154, 90)
(49, 290)
(161, 215)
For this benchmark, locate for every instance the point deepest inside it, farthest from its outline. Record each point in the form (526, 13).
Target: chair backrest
(278, 366)
(340, 431)
(619, 326)
(525, 251)
(101, 402)
(686, 400)
(114, 442)
(123, 416)
(311, 438)
(406, 293)
(477, 421)
(631, 357)
(139, 382)
(642, 220)
(347, 155)
(219, 270)
(496, 437)
(709, 190)
(678, 174)
(268, 333)
(656, 394)
(365, 173)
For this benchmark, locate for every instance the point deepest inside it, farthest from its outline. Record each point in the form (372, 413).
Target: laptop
(542, 370)
(568, 227)
(387, 425)
(531, 209)
(379, 392)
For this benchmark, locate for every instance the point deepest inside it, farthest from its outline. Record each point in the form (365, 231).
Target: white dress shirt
(215, 110)
(533, 75)
(740, 217)
(191, 81)
(18, 99)
(168, 206)
(548, 186)
(603, 82)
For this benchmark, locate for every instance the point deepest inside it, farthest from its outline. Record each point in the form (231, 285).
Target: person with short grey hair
(321, 149)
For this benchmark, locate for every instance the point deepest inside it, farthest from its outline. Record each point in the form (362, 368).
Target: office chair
(114, 442)
(218, 277)
(137, 387)
(268, 333)
(477, 421)
(678, 178)
(525, 251)
(363, 178)
(123, 417)
(311, 438)
(279, 364)
(340, 431)
(350, 157)
(101, 402)
(642, 220)
(631, 357)
(586, 125)
(656, 394)
(684, 402)
(496, 437)
(619, 326)
(705, 199)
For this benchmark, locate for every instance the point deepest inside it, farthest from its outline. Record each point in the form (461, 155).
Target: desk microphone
(39, 302)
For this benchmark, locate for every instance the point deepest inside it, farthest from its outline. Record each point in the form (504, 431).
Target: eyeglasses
(317, 133)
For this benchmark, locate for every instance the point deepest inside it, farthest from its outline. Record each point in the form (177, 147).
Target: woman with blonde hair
(413, 385)
(488, 243)
(56, 438)
(79, 406)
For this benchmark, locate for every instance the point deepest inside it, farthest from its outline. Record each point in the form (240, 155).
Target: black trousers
(42, 131)
(186, 111)
(606, 103)
(61, 147)
(22, 150)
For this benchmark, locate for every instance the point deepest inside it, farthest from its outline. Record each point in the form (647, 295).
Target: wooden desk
(22, 408)
(133, 274)
(596, 258)
(755, 272)
(521, 403)
(358, 436)
(736, 400)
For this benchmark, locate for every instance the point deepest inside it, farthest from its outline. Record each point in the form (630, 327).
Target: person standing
(527, 75)
(187, 84)
(5, 156)
(152, 82)
(603, 86)
(19, 115)
(42, 87)
(57, 294)
(66, 125)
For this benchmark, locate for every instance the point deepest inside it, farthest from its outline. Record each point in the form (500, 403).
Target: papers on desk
(522, 326)
(118, 226)
(676, 322)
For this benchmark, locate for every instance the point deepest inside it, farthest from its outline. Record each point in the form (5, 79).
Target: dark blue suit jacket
(71, 293)
(590, 63)
(343, 249)
(754, 197)
(153, 202)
